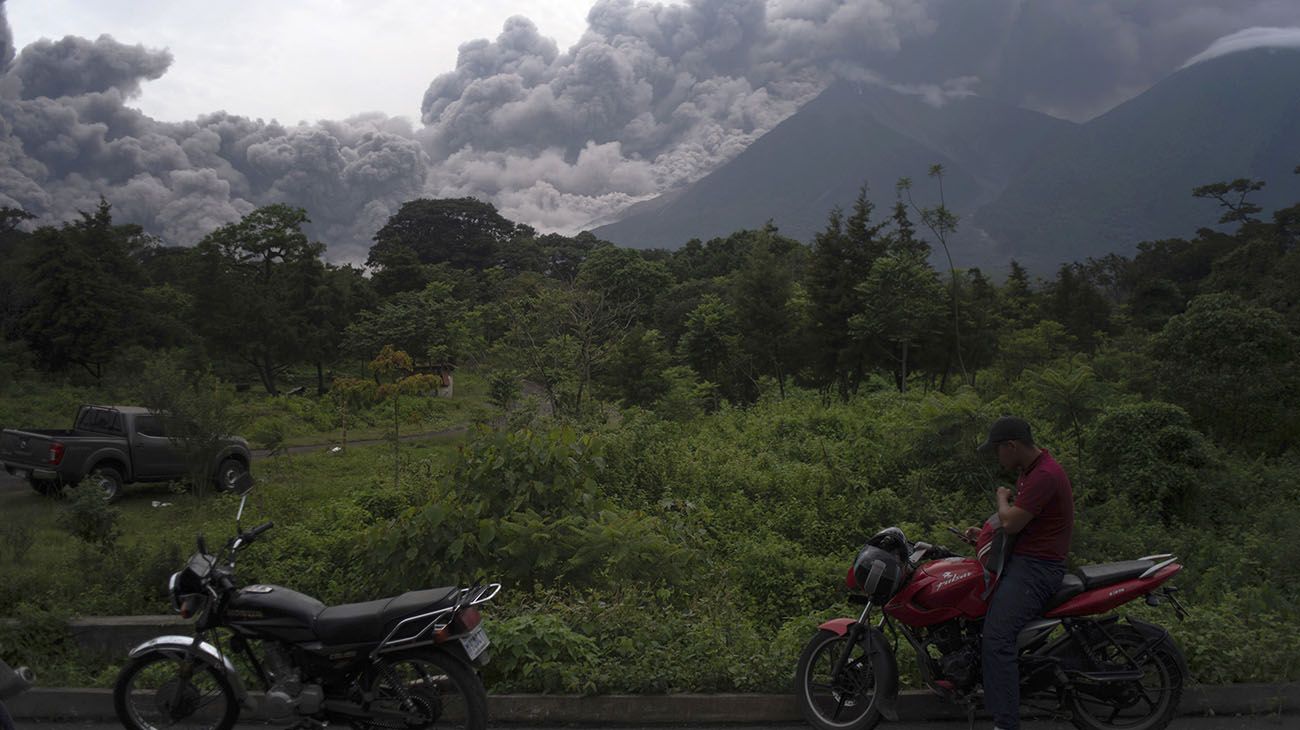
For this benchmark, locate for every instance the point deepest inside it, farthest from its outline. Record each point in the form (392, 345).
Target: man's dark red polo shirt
(1044, 490)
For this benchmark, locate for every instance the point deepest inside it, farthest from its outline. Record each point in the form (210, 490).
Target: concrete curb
(685, 709)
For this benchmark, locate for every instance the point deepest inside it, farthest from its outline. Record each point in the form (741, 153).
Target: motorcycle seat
(1071, 586)
(1104, 574)
(369, 622)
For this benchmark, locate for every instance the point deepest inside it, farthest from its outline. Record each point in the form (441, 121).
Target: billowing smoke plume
(6, 40)
(651, 97)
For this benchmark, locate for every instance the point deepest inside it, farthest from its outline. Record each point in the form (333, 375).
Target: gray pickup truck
(113, 445)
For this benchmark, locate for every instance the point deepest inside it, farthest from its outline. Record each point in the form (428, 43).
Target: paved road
(1290, 722)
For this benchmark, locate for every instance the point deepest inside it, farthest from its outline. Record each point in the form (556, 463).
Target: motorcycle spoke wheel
(164, 692)
(1145, 704)
(844, 701)
(424, 691)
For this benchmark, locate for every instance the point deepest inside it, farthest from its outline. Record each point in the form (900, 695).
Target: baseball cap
(1007, 428)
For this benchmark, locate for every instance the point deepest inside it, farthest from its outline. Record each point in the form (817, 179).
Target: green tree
(1232, 196)
(465, 233)
(1074, 301)
(562, 337)
(636, 372)
(255, 283)
(942, 222)
(842, 257)
(770, 321)
(711, 346)
(430, 324)
(395, 375)
(1069, 395)
(903, 304)
(625, 280)
(85, 287)
(1021, 300)
(198, 413)
(350, 396)
(1231, 365)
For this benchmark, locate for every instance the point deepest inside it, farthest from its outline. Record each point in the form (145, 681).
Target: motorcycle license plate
(475, 642)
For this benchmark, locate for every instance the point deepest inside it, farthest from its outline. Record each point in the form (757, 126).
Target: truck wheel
(108, 479)
(228, 473)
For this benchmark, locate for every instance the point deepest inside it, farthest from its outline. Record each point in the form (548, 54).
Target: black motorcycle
(404, 662)
(12, 682)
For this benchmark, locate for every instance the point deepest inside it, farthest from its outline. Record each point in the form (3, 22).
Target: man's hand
(1013, 518)
(972, 534)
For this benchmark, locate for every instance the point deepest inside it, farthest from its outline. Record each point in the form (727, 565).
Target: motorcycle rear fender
(1158, 635)
(205, 652)
(882, 658)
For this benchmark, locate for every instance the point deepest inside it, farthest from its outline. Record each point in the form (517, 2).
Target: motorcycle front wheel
(1148, 703)
(171, 690)
(423, 689)
(843, 702)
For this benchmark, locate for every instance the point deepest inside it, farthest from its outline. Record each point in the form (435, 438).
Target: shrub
(89, 518)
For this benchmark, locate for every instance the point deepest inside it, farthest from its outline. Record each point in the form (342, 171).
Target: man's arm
(1013, 518)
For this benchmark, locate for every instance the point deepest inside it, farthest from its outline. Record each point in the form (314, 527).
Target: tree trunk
(320, 379)
(267, 373)
(902, 383)
(344, 419)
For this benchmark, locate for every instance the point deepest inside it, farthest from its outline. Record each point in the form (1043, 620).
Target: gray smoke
(650, 98)
(6, 40)
(75, 66)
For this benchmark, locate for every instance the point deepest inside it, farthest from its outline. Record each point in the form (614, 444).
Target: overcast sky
(562, 113)
(293, 61)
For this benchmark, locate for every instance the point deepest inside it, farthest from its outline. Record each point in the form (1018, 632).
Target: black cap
(1007, 428)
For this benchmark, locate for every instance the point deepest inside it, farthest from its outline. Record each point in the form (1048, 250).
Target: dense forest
(713, 430)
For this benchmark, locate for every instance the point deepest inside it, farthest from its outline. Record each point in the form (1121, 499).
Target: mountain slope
(820, 156)
(1127, 175)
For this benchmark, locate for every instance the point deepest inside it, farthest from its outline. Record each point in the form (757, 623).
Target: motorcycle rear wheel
(1148, 704)
(846, 702)
(427, 689)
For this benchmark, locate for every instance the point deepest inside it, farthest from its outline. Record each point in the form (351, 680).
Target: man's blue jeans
(1027, 584)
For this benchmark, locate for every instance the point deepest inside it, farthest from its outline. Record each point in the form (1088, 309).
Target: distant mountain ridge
(1127, 176)
(1026, 185)
(820, 157)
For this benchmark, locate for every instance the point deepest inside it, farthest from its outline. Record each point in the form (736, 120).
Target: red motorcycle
(1104, 673)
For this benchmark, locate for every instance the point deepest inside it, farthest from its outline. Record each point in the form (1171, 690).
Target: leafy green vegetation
(686, 447)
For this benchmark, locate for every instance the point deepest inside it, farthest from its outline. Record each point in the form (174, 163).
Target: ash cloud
(650, 98)
(75, 66)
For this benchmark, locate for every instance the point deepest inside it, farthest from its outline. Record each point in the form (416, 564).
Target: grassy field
(41, 564)
(264, 420)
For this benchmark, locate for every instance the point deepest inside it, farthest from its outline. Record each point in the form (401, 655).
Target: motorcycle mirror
(203, 545)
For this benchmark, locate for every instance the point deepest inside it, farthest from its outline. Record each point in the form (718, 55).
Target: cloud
(650, 98)
(1246, 40)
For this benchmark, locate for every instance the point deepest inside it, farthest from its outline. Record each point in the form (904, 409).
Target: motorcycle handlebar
(259, 530)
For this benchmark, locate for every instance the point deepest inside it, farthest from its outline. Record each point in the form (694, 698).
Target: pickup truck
(113, 445)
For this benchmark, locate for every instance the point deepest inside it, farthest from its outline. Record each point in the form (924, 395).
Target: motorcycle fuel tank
(949, 582)
(274, 611)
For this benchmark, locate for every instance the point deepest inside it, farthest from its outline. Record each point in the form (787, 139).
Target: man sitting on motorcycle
(1042, 521)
